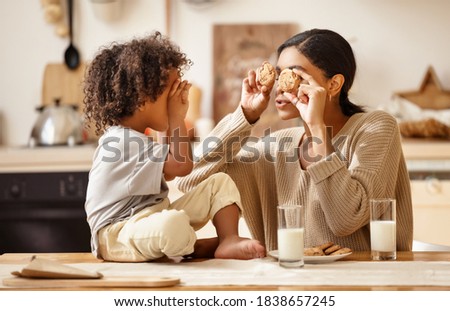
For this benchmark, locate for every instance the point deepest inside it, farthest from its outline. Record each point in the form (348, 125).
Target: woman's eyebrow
(298, 67)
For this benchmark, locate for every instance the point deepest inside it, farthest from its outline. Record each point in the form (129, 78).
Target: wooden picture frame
(237, 49)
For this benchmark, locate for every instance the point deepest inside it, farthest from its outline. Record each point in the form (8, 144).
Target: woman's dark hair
(331, 53)
(123, 76)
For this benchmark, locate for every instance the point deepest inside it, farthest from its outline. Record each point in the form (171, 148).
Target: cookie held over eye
(289, 81)
(266, 75)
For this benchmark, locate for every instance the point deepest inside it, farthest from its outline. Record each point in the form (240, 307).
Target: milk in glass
(290, 244)
(383, 229)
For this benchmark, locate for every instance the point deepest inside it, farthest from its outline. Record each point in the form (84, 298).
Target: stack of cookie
(327, 249)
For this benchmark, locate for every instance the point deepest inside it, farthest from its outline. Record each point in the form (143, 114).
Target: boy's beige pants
(167, 228)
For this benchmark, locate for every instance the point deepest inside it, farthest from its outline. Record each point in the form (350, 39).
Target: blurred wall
(394, 42)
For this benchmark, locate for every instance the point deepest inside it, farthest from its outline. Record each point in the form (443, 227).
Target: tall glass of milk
(383, 229)
(291, 228)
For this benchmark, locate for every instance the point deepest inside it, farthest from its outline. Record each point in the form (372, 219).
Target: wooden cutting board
(106, 282)
(63, 83)
(45, 273)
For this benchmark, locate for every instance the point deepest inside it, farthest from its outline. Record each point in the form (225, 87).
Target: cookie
(332, 249)
(343, 250)
(313, 251)
(325, 245)
(266, 75)
(288, 81)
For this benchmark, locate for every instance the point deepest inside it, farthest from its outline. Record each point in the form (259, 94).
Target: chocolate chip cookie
(288, 81)
(266, 75)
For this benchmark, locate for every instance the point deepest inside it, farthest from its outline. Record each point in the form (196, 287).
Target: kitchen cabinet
(428, 163)
(431, 203)
(46, 159)
(42, 197)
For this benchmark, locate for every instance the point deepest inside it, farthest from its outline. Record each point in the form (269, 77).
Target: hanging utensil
(71, 56)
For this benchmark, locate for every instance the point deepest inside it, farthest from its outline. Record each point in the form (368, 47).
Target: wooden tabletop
(22, 258)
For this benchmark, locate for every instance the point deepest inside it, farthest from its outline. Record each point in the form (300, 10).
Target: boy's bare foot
(236, 247)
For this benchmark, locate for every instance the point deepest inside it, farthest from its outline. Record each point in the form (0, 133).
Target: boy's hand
(178, 100)
(179, 159)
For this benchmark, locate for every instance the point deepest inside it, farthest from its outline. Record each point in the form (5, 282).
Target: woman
(340, 159)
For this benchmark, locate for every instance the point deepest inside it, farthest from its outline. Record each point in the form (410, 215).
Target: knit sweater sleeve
(368, 169)
(218, 149)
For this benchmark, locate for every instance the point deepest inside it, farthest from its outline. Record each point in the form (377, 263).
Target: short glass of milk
(383, 229)
(291, 228)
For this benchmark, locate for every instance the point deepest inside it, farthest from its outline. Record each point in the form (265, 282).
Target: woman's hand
(310, 100)
(254, 97)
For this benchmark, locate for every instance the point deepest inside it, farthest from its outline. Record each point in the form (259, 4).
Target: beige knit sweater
(368, 163)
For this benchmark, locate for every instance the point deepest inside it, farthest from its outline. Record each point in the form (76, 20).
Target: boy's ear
(141, 107)
(335, 84)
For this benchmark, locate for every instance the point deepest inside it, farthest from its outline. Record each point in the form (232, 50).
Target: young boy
(129, 88)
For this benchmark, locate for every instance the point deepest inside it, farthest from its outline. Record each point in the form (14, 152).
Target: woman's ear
(335, 84)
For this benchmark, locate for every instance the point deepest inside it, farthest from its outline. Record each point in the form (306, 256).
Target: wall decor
(237, 49)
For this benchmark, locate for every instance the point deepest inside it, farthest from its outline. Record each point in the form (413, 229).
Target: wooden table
(20, 258)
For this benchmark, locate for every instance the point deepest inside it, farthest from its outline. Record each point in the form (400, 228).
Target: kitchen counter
(22, 158)
(426, 149)
(435, 265)
(422, 155)
(46, 159)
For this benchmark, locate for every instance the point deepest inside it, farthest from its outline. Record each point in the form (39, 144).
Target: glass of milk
(291, 227)
(383, 229)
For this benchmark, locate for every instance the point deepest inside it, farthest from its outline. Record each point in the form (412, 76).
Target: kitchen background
(42, 189)
(394, 41)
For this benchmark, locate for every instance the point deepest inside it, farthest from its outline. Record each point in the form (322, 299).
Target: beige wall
(394, 42)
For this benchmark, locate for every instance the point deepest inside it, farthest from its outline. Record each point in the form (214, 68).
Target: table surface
(23, 258)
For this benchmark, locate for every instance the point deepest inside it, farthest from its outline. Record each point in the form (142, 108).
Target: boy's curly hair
(123, 76)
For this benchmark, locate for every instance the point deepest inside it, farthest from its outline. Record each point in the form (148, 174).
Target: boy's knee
(173, 221)
(221, 177)
(220, 180)
(177, 235)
